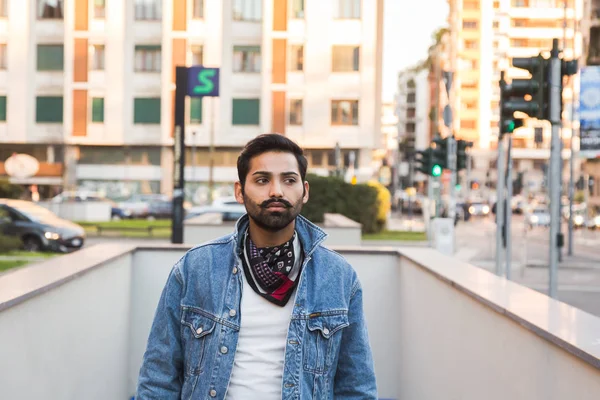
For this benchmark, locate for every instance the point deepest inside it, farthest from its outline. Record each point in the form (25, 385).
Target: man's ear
(305, 196)
(239, 192)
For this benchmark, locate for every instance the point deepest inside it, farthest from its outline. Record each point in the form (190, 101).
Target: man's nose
(275, 189)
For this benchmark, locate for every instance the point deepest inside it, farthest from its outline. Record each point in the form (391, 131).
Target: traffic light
(425, 163)
(440, 152)
(513, 94)
(510, 125)
(461, 153)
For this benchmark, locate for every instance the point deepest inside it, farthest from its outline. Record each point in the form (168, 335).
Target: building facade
(590, 29)
(487, 35)
(89, 85)
(413, 108)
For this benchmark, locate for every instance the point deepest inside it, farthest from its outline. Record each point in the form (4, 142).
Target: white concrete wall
(71, 342)
(90, 211)
(439, 329)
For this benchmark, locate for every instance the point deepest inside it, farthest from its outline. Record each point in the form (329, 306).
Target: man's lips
(277, 205)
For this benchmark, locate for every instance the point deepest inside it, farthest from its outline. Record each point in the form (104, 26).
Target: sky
(407, 29)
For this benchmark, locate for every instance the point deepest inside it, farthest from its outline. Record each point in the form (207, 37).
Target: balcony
(76, 326)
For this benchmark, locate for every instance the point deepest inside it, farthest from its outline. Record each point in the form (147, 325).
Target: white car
(538, 217)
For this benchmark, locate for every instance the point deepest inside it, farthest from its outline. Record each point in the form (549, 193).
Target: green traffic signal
(436, 170)
(511, 126)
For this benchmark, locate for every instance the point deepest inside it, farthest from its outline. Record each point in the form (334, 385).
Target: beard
(272, 221)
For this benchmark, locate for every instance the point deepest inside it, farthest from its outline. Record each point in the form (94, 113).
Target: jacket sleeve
(161, 374)
(355, 375)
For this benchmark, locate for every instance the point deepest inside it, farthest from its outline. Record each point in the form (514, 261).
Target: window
(246, 112)
(297, 53)
(411, 112)
(148, 10)
(246, 59)
(410, 127)
(49, 109)
(247, 10)
(50, 9)
(2, 108)
(345, 58)
(470, 24)
(344, 112)
(50, 57)
(98, 57)
(198, 9)
(98, 109)
(195, 110)
(473, 64)
(470, 5)
(147, 58)
(3, 8)
(518, 42)
(146, 110)
(298, 9)
(411, 97)
(197, 54)
(3, 56)
(471, 44)
(99, 9)
(347, 9)
(496, 24)
(468, 124)
(296, 112)
(470, 85)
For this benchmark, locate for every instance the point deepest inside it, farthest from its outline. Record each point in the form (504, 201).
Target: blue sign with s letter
(203, 82)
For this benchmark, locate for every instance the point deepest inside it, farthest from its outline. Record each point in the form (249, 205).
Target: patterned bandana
(271, 267)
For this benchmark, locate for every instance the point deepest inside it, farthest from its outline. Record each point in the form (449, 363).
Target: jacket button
(234, 270)
(213, 393)
(232, 313)
(198, 331)
(224, 350)
(326, 331)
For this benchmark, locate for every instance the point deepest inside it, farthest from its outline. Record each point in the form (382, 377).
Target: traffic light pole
(555, 78)
(500, 206)
(500, 186)
(508, 209)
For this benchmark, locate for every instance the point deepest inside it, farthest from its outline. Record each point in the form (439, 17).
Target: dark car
(38, 228)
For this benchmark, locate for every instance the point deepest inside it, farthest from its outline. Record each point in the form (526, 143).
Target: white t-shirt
(258, 364)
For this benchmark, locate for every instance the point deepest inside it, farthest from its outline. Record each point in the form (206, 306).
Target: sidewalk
(402, 223)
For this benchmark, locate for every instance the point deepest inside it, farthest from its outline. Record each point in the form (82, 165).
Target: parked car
(539, 216)
(230, 212)
(138, 205)
(38, 228)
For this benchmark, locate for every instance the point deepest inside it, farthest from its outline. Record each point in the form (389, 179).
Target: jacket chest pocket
(197, 329)
(322, 341)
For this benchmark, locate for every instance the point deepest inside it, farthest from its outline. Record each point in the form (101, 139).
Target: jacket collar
(310, 235)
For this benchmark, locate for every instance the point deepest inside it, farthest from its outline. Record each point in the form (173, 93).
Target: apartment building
(590, 29)
(87, 86)
(487, 35)
(413, 107)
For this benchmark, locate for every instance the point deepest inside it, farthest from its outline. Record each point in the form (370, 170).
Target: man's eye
(290, 181)
(261, 180)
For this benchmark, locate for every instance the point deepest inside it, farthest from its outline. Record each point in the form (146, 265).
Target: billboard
(589, 112)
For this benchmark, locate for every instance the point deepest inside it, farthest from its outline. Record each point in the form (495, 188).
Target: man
(265, 313)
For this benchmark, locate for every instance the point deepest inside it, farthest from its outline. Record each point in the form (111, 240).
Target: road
(578, 275)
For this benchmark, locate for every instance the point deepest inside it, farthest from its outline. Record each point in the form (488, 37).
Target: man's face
(273, 192)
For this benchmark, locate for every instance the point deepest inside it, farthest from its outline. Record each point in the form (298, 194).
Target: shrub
(9, 243)
(385, 203)
(9, 190)
(333, 195)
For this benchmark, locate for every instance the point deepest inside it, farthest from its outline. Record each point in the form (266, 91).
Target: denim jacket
(194, 335)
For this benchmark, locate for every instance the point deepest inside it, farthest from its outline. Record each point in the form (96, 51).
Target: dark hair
(265, 143)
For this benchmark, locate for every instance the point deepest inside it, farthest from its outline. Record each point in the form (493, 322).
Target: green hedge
(9, 243)
(333, 195)
(9, 190)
